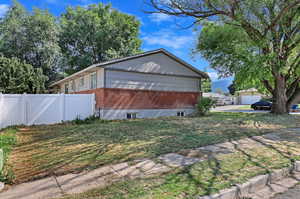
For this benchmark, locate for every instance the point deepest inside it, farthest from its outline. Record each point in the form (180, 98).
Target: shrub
(88, 120)
(18, 77)
(205, 104)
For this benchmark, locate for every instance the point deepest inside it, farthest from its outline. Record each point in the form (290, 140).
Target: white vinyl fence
(29, 109)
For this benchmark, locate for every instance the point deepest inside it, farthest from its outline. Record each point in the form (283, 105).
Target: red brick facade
(142, 99)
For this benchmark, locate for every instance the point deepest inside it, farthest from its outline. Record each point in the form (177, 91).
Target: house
(220, 99)
(150, 84)
(248, 96)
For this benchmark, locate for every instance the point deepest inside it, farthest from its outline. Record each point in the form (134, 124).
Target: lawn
(200, 179)
(245, 107)
(65, 148)
(7, 141)
(207, 177)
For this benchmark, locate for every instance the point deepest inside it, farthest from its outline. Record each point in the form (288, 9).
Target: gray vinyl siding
(132, 80)
(156, 63)
(87, 82)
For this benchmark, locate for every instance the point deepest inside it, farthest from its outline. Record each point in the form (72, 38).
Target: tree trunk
(280, 99)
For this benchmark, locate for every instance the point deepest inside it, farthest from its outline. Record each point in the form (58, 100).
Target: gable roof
(118, 60)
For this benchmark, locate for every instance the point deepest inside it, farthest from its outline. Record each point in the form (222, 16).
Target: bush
(205, 104)
(88, 120)
(18, 77)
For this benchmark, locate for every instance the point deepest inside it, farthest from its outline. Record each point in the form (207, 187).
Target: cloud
(169, 39)
(3, 9)
(160, 17)
(213, 76)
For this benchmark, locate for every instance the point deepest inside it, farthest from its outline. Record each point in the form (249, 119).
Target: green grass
(7, 141)
(65, 148)
(203, 178)
(245, 107)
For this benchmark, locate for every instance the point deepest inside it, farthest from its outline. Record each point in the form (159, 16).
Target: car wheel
(255, 108)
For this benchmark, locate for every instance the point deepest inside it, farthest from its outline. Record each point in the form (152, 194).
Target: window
(81, 82)
(180, 114)
(131, 115)
(93, 80)
(73, 86)
(66, 88)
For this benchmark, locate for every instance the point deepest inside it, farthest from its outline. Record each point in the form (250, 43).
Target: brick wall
(142, 99)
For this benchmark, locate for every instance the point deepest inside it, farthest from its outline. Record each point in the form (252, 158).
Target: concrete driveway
(240, 109)
(236, 109)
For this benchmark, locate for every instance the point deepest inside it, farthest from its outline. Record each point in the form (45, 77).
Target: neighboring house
(251, 96)
(151, 84)
(221, 99)
(248, 96)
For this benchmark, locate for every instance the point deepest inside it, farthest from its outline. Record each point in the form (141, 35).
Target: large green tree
(95, 34)
(19, 77)
(256, 40)
(206, 85)
(32, 37)
(232, 88)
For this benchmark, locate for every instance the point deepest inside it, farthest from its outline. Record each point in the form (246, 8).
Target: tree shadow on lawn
(220, 172)
(61, 149)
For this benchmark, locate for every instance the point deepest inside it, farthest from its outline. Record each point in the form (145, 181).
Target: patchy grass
(203, 178)
(61, 149)
(7, 141)
(245, 107)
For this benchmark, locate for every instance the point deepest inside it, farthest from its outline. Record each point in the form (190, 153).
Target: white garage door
(250, 99)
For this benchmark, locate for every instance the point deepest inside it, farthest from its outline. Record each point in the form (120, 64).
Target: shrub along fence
(32, 109)
(1, 160)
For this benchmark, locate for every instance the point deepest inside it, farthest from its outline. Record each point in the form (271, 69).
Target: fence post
(25, 109)
(62, 102)
(1, 108)
(1, 160)
(93, 102)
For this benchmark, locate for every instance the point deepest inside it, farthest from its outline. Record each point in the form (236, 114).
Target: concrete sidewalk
(293, 193)
(53, 187)
(227, 108)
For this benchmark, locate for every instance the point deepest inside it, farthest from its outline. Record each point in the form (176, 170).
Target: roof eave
(74, 75)
(104, 64)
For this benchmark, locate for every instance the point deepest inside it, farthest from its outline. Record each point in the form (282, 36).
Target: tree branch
(293, 67)
(294, 96)
(268, 86)
(171, 10)
(294, 45)
(281, 14)
(293, 87)
(206, 9)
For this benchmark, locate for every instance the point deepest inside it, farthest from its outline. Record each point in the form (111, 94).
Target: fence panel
(44, 109)
(11, 110)
(84, 109)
